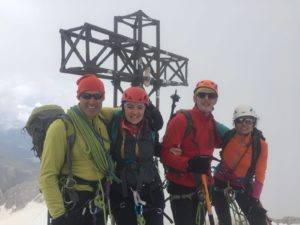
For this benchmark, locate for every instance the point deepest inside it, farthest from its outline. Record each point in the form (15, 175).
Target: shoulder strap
(256, 148)
(189, 122)
(189, 126)
(70, 142)
(226, 138)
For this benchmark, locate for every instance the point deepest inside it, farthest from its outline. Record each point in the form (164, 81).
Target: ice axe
(207, 199)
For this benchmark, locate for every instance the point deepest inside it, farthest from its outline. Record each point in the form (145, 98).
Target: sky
(250, 48)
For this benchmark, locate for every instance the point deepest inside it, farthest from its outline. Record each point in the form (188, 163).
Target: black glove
(199, 164)
(255, 208)
(157, 149)
(62, 220)
(154, 117)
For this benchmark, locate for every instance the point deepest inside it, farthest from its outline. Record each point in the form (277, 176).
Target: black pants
(124, 213)
(184, 204)
(254, 213)
(83, 214)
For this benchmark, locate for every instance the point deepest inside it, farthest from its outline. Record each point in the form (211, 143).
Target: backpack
(38, 123)
(220, 128)
(256, 148)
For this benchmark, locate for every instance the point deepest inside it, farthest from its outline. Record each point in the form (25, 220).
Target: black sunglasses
(88, 96)
(209, 95)
(246, 120)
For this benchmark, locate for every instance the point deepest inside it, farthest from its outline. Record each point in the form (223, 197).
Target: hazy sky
(250, 48)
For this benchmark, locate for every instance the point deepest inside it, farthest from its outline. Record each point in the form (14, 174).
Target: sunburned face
(205, 101)
(90, 103)
(134, 112)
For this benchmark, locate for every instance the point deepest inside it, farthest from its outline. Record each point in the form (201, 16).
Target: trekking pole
(207, 200)
(175, 98)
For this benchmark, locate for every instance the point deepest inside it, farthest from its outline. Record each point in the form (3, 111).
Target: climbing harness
(230, 195)
(139, 207)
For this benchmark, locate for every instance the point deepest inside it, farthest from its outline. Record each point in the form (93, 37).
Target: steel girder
(114, 56)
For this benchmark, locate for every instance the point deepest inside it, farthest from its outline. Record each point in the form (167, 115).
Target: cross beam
(120, 58)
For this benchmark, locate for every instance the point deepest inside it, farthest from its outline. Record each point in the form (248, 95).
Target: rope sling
(101, 159)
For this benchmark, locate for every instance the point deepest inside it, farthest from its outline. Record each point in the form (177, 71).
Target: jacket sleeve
(221, 129)
(108, 112)
(173, 138)
(52, 162)
(154, 118)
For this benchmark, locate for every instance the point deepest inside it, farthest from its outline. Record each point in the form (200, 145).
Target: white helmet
(244, 110)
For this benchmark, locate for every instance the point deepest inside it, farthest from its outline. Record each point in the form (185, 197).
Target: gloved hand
(199, 164)
(62, 220)
(255, 208)
(154, 117)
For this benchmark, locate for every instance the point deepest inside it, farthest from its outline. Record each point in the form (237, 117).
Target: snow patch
(34, 213)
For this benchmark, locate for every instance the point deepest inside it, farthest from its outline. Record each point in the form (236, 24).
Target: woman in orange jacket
(242, 168)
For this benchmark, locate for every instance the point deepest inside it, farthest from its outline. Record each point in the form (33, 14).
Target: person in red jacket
(242, 169)
(185, 168)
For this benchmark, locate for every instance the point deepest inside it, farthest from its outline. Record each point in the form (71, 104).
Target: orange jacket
(237, 157)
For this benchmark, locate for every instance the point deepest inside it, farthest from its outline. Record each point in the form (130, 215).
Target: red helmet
(208, 84)
(135, 94)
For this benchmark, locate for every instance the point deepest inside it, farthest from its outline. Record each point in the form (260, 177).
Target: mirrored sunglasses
(203, 95)
(246, 120)
(88, 96)
(130, 105)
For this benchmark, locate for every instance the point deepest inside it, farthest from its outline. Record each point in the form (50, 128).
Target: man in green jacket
(80, 200)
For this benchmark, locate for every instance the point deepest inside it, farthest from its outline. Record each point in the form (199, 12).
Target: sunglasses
(88, 96)
(247, 121)
(130, 105)
(202, 95)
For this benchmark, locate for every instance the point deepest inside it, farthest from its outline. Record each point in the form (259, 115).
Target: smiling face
(134, 112)
(244, 125)
(90, 103)
(205, 101)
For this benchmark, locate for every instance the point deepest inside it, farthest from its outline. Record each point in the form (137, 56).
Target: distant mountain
(15, 143)
(17, 162)
(17, 197)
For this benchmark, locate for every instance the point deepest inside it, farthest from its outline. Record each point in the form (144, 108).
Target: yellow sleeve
(107, 112)
(52, 162)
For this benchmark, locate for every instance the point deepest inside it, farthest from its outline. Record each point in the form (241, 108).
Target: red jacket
(203, 144)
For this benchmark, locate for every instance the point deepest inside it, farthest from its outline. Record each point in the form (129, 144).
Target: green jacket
(52, 162)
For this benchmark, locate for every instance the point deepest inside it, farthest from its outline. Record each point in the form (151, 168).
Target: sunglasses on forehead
(246, 120)
(88, 96)
(209, 95)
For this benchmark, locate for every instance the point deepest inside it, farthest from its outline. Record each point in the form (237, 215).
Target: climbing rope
(95, 143)
(201, 209)
(230, 194)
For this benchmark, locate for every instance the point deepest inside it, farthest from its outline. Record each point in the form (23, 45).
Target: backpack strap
(70, 142)
(189, 123)
(189, 126)
(226, 138)
(256, 149)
